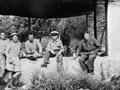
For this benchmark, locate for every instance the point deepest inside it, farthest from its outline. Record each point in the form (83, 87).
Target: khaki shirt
(33, 46)
(88, 46)
(13, 49)
(55, 45)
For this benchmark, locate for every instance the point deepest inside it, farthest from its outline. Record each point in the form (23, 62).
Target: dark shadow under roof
(46, 8)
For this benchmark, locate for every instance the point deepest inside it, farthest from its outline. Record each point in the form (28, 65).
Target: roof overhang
(46, 8)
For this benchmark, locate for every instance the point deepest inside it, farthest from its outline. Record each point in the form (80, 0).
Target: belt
(56, 50)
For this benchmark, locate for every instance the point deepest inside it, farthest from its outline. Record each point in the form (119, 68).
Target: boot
(44, 65)
(9, 85)
(85, 71)
(1, 80)
(91, 72)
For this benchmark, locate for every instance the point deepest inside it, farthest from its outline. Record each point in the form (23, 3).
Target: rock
(81, 89)
(29, 68)
(100, 65)
(87, 89)
(105, 68)
(25, 87)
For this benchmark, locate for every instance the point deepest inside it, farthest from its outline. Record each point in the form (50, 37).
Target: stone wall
(100, 21)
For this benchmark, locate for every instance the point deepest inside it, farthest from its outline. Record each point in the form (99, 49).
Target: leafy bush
(70, 83)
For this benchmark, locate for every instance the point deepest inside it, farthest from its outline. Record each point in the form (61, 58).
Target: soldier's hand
(52, 52)
(57, 55)
(40, 54)
(74, 56)
(10, 60)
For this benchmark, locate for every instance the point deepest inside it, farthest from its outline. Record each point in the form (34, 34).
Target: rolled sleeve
(97, 43)
(79, 49)
(48, 46)
(7, 50)
(39, 46)
(62, 47)
(27, 48)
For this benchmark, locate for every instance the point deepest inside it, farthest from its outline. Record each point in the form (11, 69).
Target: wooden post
(95, 20)
(106, 34)
(29, 23)
(87, 22)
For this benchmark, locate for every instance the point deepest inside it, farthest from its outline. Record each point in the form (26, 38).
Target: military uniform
(33, 46)
(56, 46)
(88, 51)
(3, 45)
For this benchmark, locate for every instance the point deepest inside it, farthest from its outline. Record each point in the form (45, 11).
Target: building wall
(100, 21)
(114, 30)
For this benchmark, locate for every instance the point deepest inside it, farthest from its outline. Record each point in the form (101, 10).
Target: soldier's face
(66, 31)
(3, 35)
(86, 36)
(54, 37)
(15, 38)
(31, 37)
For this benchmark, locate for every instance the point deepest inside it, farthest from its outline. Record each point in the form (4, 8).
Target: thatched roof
(46, 8)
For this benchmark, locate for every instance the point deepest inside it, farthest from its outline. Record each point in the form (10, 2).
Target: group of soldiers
(11, 52)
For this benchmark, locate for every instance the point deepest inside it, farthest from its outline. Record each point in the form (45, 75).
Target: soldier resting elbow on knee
(88, 49)
(54, 48)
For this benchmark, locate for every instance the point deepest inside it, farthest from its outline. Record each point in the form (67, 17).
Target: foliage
(42, 27)
(69, 84)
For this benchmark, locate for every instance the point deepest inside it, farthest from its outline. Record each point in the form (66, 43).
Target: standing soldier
(65, 38)
(54, 48)
(13, 59)
(88, 48)
(3, 43)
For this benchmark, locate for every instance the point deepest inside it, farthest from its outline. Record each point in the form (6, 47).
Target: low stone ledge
(104, 68)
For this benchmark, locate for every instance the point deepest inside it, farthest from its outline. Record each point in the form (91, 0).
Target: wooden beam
(29, 23)
(45, 8)
(106, 30)
(95, 21)
(87, 22)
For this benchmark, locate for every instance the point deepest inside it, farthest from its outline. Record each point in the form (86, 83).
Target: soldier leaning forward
(54, 48)
(88, 48)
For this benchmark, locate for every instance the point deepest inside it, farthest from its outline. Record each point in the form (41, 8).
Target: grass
(70, 83)
(63, 82)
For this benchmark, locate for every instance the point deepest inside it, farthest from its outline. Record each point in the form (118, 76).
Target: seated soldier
(88, 48)
(54, 48)
(33, 47)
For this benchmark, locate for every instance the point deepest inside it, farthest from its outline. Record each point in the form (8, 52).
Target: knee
(81, 60)
(93, 56)
(60, 56)
(47, 53)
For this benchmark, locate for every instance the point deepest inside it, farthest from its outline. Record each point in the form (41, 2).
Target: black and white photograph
(59, 44)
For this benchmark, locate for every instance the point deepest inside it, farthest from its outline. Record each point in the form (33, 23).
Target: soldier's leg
(15, 77)
(60, 63)
(90, 61)
(82, 62)
(2, 66)
(9, 84)
(46, 58)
